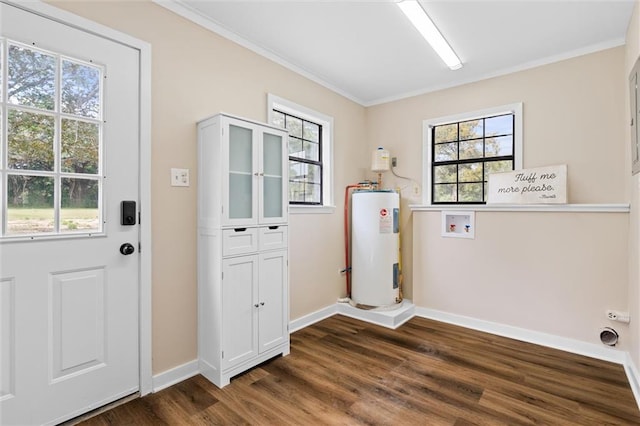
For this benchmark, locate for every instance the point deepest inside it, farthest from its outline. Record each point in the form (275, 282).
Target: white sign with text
(542, 185)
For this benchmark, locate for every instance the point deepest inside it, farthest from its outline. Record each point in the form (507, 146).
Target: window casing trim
(427, 134)
(288, 107)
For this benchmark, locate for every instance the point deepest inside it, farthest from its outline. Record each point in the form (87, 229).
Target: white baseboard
(312, 318)
(525, 335)
(633, 376)
(175, 375)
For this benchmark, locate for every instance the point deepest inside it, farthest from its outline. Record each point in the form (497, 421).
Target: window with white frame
(462, 151)
(310, 137)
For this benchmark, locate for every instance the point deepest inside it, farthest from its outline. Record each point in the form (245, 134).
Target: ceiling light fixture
(427, 28)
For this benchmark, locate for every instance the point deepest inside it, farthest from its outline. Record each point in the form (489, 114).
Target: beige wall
(573, 110)
(549, 272)
(196, 74)
(574, 113)
(632, 53)
(554, 273)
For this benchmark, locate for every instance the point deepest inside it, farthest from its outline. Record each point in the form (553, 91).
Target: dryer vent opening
(609, 336)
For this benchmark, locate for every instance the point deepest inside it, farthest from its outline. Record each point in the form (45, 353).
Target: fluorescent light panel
(427, 28)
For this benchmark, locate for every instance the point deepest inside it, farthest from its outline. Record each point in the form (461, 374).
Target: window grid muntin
(294, 159)
(56, 174)
(484, 160)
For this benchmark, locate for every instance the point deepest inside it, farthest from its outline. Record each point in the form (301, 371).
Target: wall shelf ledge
(551, 208)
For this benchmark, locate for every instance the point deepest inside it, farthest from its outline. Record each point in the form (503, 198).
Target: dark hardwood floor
(343, 371)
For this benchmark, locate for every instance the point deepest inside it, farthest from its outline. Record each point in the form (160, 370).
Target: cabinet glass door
(240, 172)
(273, 208)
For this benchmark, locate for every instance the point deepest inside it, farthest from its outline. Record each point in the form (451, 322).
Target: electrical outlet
(394, 161)
(415, 189)
(179, 177)
(612, 315)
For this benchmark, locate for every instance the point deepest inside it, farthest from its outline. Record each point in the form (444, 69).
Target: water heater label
(386, 222)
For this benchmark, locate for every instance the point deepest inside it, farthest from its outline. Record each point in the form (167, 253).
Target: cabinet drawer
(239, 241)
(273, 237)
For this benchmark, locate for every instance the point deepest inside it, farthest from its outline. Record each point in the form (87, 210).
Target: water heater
(375, 272)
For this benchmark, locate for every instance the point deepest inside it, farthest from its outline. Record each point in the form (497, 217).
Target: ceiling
(369, 52)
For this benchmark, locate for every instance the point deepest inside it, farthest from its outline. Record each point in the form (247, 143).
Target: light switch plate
(179, 177)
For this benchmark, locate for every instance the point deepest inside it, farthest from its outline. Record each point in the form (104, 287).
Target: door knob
(127, 249)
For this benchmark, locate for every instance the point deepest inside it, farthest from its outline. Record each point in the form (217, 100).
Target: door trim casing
(144, 190)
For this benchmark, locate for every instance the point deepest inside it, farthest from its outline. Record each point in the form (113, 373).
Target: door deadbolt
(127, 213)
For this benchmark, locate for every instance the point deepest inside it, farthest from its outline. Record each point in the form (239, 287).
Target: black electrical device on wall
(127, 213)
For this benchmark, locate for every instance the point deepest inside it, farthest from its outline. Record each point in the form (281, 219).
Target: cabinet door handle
(255, 174)
(239, 229)
(261, 303)
(274, 227)
(256, 305)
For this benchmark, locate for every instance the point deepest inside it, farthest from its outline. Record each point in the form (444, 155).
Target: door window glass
(51, 143)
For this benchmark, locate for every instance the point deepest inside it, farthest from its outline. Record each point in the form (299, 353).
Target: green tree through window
(305, 158)
(52, 107)
(465, 153)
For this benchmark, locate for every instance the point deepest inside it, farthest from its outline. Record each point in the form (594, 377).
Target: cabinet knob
(261, 303)
(256, 305)
(255, 174)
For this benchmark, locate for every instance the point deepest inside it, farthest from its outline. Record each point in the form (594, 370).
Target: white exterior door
(69, 299)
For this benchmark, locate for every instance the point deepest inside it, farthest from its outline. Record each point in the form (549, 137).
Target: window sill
(571, 208)
(296, 209)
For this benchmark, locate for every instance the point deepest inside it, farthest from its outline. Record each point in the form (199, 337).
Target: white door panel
(272, 312)
(69, 305)
(240, 278)
(78, 323)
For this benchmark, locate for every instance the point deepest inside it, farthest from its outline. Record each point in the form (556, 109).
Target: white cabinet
(254, 186)
(244, 172)
(254, 304)
(243, 292)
